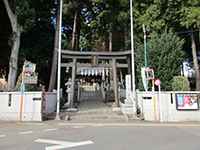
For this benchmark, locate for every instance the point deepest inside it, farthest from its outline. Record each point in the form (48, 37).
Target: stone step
(96, 115)
(101, 112)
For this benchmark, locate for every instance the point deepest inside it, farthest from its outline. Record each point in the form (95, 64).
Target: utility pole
(59, 61)
(132, 58)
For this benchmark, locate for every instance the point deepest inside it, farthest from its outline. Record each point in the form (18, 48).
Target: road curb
(132, 124)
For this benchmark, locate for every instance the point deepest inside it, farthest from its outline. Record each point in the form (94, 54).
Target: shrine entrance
(95, 76)
(90, 83)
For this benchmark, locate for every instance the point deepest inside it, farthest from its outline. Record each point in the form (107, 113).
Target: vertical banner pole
(134, 99)
(21, 97)
(59, 62)
(160, 105)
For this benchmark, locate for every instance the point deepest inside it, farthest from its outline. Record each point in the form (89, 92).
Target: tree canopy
(91, 25)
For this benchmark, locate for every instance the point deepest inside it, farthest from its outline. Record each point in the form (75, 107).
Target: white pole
(160, 104)
(132, 57)
(59, 62)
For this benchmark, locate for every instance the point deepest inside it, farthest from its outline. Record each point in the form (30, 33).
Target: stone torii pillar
(115, 88)
(74, 67)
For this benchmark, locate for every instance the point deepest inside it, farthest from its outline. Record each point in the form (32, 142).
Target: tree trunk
(195, 61)
(13, 64)
(78, 32)
(74, 33)
(52, 81)
(110, 50)
(126, 39)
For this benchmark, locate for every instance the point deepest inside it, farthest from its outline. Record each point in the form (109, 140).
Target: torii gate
(113, 57)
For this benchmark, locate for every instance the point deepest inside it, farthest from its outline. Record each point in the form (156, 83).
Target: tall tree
(76, 28)
(165, 56)
(21, 17)
(190, 14)
(109, 22)
(73, 9)
(5, 31)
(15, 43)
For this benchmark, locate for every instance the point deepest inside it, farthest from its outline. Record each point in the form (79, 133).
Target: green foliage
(25, 13)
(84, 43)
(105, 17)
(165, 55)
(180, 83)
(190, 14)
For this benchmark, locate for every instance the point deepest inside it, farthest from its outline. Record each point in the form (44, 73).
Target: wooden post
(73, 81)
(115, 81)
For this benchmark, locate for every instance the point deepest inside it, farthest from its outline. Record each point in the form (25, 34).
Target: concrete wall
(163, 108)
(15, 107)
(50, 105)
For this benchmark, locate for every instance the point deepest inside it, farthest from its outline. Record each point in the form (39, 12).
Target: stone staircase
(92, 108)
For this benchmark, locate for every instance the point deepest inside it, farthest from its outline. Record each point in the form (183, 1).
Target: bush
(180, 83)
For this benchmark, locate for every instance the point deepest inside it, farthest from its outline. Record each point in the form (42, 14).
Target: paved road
(129, 136)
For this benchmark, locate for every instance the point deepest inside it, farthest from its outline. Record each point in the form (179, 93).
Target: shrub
(180, 83)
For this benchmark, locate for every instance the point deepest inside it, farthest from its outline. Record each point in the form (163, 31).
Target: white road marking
(47, 130)
(26, 132)
(62, 144)
(35, 124)
(2, 135)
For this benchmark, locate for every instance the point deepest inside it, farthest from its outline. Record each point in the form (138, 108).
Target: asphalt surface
(101, 136)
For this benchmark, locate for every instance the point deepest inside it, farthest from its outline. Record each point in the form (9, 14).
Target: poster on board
(187, 101)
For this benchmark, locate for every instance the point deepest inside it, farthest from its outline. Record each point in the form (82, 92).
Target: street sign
(62, 144)
(157, 82)
(147, 75)
(128, 87)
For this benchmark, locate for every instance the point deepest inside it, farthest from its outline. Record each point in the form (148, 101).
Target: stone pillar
(73, 81)
(115, 83)
(129, 64)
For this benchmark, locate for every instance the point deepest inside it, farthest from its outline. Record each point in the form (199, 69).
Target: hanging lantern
(85, 72)
(92, 71)
(82, 72)
(89, 72)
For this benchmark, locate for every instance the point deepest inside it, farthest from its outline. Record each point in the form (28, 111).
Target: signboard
(37, 98)
(144, 80)
(31, 79)
(29, 75)
(29, 68)
(187, 101)
(147, 74)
